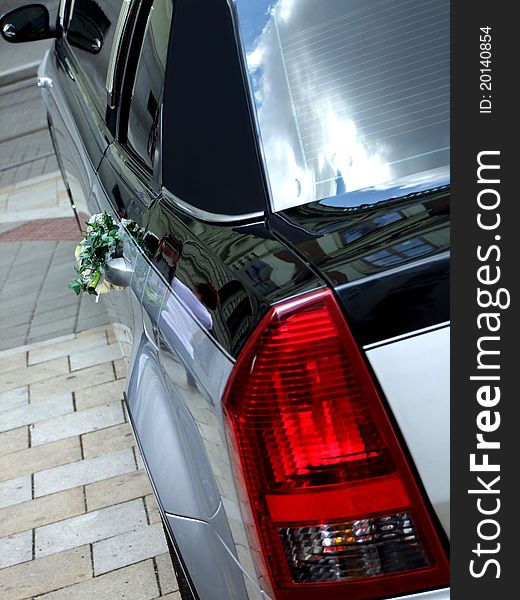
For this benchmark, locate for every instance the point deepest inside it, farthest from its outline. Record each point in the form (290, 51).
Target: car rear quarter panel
(177, 377)
(413, 372)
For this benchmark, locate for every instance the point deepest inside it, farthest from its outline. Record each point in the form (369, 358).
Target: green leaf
(100, 240)
(75, 286)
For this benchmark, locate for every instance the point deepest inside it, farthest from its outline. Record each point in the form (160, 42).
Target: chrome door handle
(118, 272)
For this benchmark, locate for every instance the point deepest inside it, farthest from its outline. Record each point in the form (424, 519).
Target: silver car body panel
(214, 569)
(64, 134)
(176, 379)
(414, 374)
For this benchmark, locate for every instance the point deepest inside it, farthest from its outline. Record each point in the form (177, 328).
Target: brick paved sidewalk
(77, 518)
(38, 235)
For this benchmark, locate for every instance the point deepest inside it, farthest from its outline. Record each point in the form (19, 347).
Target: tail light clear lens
(335, 504)
(361, 548)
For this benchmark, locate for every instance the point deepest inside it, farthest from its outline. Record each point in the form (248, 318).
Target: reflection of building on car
(288, 161)
(193, 303)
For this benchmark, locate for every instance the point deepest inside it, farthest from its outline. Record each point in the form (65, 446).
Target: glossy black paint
(92, 130)
(388, 260)
(26, 24)
(249, 268)
(403, 301)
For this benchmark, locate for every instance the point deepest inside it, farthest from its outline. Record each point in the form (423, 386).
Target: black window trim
(127, 67)
(221, 218)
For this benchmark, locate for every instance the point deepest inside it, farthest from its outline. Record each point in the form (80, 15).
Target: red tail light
(336, 508)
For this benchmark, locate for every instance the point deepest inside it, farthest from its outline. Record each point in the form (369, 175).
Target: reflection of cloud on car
(336, 117)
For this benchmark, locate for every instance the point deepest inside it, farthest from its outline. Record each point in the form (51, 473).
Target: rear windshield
(349, 94)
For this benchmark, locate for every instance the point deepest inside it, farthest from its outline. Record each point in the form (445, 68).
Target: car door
(73, 78)
(128, 175)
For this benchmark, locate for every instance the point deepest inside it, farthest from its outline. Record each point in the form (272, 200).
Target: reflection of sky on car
(394, 188)
(348, 96)
(184, 314)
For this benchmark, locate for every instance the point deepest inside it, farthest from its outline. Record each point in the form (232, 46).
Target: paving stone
(131, 485)
(99, 394)
(35, 181)
(64, 314)
(93, 330)
(39, 458)
(41, 337)
(14, 440)
(36, 373)
(90, 310)
(30, 250)
(47, 574)
(154, 515)
(91, 304)
(112, 336)
(96, 356)
(88, 321)
(14, 491)
(90, 527)
(136, 582)
(32, 195)
(56, 302)
(22, 275)
(34, 346)
(92, 419)
(167, 579)
(172, 596)
(36, 412)
(20, 288)
(121, 368)
(19, 319)
(128, 548)
(15, 549)
(10, 363)
(107, 440)
(55, 289)
(70, 382)
(57, 326)
(94, 340)
(19, 274)
(12, 336)
(41, 511)
(139, 459)
(83, 472)
(14, 398)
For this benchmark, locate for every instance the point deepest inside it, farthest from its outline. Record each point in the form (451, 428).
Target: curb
(19, 74)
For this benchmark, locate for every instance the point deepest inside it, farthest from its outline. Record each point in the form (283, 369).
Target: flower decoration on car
(102, 241)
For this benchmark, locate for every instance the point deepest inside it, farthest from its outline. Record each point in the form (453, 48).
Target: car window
(143, 119)
(90, 33)
(351, 95)
(209, 156)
